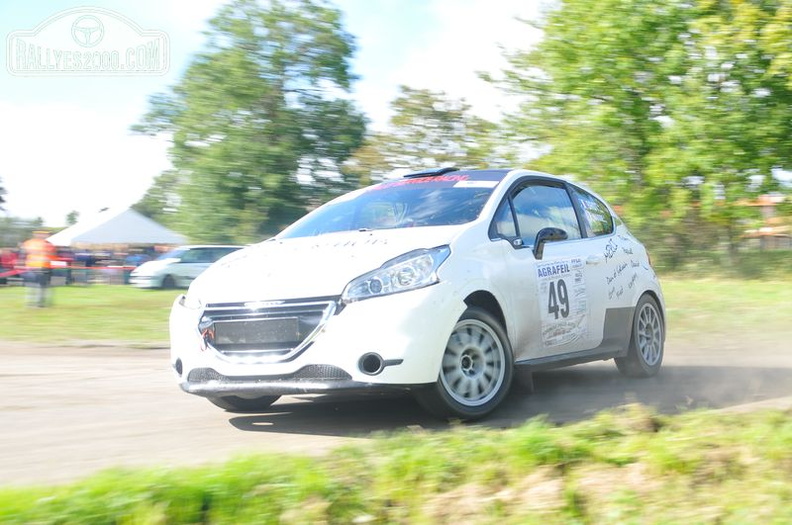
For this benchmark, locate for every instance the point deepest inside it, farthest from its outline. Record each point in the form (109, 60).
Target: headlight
(410, 271)
(191, 302)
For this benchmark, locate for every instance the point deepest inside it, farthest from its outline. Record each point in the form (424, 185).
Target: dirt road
(68, 412)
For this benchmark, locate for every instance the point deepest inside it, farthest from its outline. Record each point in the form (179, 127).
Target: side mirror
(546, 235)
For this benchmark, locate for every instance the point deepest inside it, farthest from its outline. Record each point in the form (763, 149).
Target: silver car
(178, 267)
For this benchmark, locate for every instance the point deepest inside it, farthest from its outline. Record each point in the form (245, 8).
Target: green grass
(623, 466)
(86, 314)
(708, 311)
(699, 309)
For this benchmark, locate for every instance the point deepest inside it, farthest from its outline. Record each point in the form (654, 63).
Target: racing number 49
(558, 299)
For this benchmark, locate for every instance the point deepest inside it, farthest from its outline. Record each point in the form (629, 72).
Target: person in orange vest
(38, 253)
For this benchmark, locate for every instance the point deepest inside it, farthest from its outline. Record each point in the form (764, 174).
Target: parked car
(440, 283)
(178, 267)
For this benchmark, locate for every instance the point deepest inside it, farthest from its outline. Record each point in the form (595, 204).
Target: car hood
(152, 267)
(309, 267)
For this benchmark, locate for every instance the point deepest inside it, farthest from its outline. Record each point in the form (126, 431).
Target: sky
(65, 143)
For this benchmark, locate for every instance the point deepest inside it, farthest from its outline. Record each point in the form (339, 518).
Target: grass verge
(96, 313)
(623, 466)
(708, 312)
(698, 309)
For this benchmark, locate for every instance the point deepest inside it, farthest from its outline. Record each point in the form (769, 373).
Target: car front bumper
(144, 281)
(406, 333)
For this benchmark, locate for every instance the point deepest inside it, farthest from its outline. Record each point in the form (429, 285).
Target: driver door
(558, 321)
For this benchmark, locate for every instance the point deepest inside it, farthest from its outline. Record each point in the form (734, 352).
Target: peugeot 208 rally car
(440, 283)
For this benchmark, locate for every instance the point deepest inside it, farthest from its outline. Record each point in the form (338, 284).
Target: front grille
(259, 332)
(309, 374)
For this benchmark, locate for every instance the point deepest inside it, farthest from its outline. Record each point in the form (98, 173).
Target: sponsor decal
(476, 184)
(262, 304)
(562, 301)
(420, 180)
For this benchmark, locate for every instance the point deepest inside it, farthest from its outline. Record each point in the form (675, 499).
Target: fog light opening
(371, 364)
(178, 367)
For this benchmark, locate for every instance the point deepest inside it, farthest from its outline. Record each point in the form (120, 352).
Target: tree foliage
(678, 110)
(2, 196)
(160, 202)
(14, 230)
(260, 121)
(428, 129)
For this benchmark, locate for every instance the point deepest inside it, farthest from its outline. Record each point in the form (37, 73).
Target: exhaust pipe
(371, 364)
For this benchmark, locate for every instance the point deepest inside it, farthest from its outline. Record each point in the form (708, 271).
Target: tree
(672, 109)
(72, 217)
(729, 117)
(14, 231)
(428, 129)
(590, 87)
(2, 196)
(160, 202)
(260, 122)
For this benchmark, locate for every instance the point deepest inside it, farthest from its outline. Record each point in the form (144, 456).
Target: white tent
(117, 227)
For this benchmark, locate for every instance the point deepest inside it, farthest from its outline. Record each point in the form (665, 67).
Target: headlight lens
(410, 271)
(190, 301)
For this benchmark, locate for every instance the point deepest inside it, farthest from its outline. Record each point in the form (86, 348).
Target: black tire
(168, 282)
(645, 353)
(241, 404)
(476, 370)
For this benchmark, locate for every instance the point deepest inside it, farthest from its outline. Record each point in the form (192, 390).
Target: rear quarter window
(597, 218)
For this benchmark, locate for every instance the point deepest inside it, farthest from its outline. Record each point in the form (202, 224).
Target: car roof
(483, 173)
(192, 246)
(499, 174)
(477, 174)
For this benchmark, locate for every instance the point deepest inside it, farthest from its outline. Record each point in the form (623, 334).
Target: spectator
(65, 258)
(83, 260)
(38, 253)
(135, 258)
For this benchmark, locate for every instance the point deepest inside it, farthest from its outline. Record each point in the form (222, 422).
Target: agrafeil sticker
(562, 301)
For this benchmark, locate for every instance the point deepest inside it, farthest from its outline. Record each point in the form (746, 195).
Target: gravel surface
(70, 411)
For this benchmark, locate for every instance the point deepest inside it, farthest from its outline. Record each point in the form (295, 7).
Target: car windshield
(173, 254)
(407, 203)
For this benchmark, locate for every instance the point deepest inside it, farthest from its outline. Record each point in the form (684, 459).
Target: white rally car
(440, 283)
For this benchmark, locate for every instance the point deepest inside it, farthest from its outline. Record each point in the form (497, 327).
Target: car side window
(197, 256)
(597, 218)
(208, 255)
(503, 224)
(540, 206)
(218, 253)
(190, 256)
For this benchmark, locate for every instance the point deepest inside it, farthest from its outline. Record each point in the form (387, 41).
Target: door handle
(593, 259)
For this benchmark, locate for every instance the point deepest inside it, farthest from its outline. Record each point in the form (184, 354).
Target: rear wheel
(645, 353)
(241, 404)
(475, 372)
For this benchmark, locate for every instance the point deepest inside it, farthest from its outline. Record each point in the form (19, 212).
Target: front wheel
(168, 282)
(241, 404)
(475, 372)
(645, 353)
